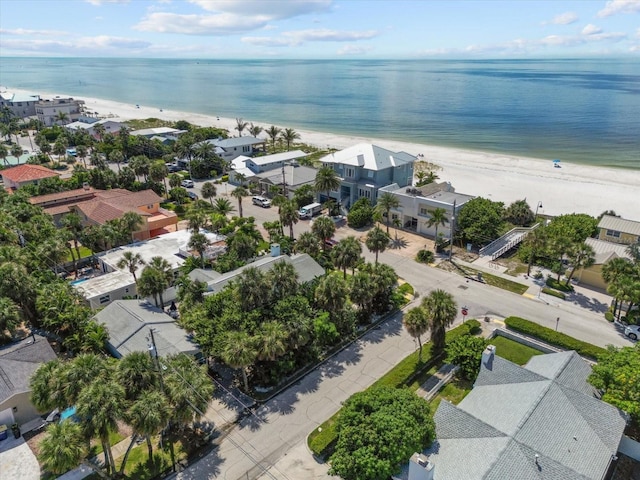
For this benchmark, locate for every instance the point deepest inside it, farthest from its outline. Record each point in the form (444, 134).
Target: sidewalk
(429, 388)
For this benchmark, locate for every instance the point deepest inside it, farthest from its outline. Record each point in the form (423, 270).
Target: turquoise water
(584, 111)
(79, 281)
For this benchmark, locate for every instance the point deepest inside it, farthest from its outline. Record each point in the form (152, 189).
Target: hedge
(322, 442)
(553, 283)
(552, 337)
(554, 293)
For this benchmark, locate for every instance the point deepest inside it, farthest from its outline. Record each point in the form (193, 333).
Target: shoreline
(573, 188)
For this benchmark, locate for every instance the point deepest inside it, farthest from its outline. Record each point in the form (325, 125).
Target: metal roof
(279, 157)
(606, 250)
(620, 225)
(369, 157)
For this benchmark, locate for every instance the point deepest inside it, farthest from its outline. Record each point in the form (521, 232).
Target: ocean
(579, 110)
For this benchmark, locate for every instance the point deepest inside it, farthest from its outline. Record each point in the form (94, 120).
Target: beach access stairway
(506, 242)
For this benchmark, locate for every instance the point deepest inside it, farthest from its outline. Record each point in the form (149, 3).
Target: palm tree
(158, 173)
(324, 228)
(272, 340)
(156, 277)
(255, 130)
(519, 213)
(59, 148)
(199, 242)
(61, 118)
(148, 415)
(141, 165)
(239, 351)
(308, 243)
(327, 180)
(82, 151)
(252, 289)
(438, 217)
(100, 406)
(16, 151)
(289, 135)
(346, 254)
(222, 206)
(440, 308)
(283, 278)
(331, 294)
(386, 202)
(4, 153)
(240, 126)
(417, 324)
(73, 223)
(174, 180)
(377, 241)
(615, 272)
(130, 222)
(239, 193)
(273, 133)
(136, 373)
(289, 216)
(117, 157)
(536, 240)
(9, 316)
(209, 191)
(63, 448)
(131, 261)
(582, 256)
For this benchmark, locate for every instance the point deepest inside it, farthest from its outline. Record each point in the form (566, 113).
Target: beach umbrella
(556, 161)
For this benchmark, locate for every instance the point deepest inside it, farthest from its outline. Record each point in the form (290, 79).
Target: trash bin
(16, 430)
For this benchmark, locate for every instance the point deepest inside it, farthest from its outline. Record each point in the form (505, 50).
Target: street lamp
(537, 207)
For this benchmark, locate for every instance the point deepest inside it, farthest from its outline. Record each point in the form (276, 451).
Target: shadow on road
(592, 304)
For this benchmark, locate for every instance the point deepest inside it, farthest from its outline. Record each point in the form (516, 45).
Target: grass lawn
(138, 466)
(513, 351)
(84, 252)
(454, 392)
(499, 282)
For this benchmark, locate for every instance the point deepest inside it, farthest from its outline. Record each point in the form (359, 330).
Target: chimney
(487, 356)
(275, 249)
(420, 468)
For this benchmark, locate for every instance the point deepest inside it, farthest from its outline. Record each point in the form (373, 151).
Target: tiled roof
(68, 194)
(133, 199)
(619, 224)
(101, 212)
(27, 173)
(532, 422)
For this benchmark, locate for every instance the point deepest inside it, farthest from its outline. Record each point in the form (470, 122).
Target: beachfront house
(18, 362)
(231, 148)
(20, 105)
(90, 125)
(59, 111)
(26, 174)
(364, 169)
(618, 230)
(109, 282)
(129, 324)
(163, 134)
(417, 204)
(248, 167)
(604, 253)
(542, 420)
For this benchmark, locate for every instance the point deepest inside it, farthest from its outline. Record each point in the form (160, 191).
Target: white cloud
(634, 48)
(591, 29)
(84, 45)
(298, 37)
(97, 3)
(638, 32)
(565, 18)
(24, 31)
(353, 50)
(614, 7)
(229, 17)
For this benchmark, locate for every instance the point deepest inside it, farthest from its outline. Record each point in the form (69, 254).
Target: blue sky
(319, 28)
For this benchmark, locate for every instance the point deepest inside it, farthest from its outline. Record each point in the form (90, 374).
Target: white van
(309, 211)
(261, 201)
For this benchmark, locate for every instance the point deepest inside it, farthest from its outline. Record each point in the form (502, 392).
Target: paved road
(270, 445)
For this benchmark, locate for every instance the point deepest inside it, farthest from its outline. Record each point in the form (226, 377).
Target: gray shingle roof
(19, 361)
(545, 408)
(129, 322)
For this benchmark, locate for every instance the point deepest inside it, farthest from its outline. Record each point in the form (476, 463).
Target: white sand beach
(571, 188)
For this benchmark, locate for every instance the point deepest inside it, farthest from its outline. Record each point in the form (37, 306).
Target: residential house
(230, 148)
(292, 176)
(418, 203)
(25, 174)
(162, 134)
(604, 253)
(18, 362)
(20, 105)
(618, 230)
(110, 282)
(130, 323)
(49, 111)
(250, 167)
(364, 169)
(542, 420)
(306, 268)
(90, 125)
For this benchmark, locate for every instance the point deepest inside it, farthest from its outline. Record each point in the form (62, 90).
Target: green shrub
(553, 338)
(406, 289)
(424, 256)
(553, 283)
(323, 442)
(555, 293)
(473, 326)
(608, 316)
(224, 178)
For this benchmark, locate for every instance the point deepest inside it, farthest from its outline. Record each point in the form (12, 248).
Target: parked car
(311, 210)
(330, 243)
(261, 201)
(187, 183)
(192, 195)
(172, 167)
(632, 331)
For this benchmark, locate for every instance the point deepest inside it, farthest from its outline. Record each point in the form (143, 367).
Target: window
(364, 193)
(613, 233)
(349, 172)
(149, 207)
(370, 173)
(105, 299)
(424, 211)
(246, 148)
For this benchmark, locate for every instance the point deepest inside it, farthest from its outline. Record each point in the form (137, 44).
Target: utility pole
(453, 229)
(284, 181)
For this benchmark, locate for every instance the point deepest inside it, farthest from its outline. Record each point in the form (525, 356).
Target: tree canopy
(480, 220)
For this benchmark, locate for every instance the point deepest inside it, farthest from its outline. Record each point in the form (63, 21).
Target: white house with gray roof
(230, 148)
(540, 421)
(364, 169)
(129, 323)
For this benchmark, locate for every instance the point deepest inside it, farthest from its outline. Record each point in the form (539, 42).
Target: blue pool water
(80, 280)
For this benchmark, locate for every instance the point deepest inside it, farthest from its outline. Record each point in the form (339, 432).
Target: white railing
(506, 242)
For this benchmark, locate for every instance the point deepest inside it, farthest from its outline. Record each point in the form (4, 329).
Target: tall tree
(536, 241)
(308, 243)
(239, 193)
(327, 180)
(324, 228)
(283, 279)
(346, 254)
(288, 216)
(581, 256)
(63, 448)
(117, 157)
(240, 126)
(416, 323)
(158, 173)
(273, 132)
(437, 217)
(255, 130)
(271, 342)
(386, 202)
(131, 261)
(519, 213)
(441, 309)
(239, 351)
(289, 135)
(209, 191)
(73, 223)
(199, 242)
(377, 241)
(148, 415)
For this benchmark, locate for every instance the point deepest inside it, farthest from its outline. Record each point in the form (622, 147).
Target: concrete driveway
(17, 461)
